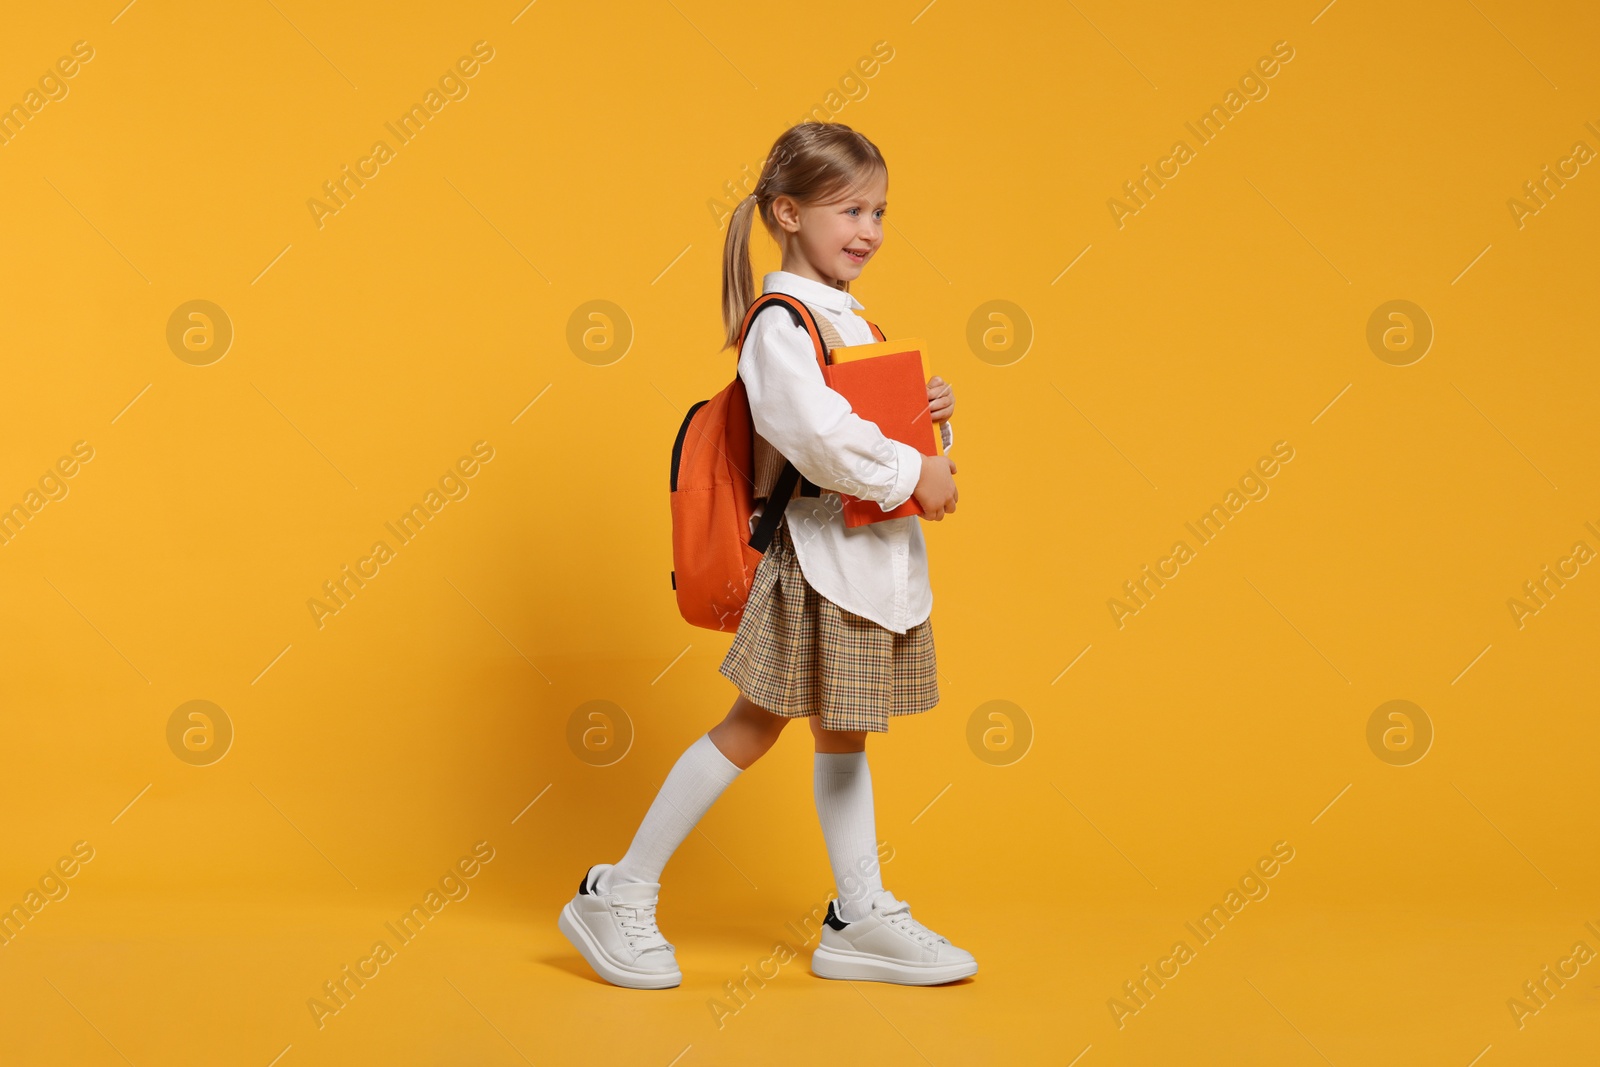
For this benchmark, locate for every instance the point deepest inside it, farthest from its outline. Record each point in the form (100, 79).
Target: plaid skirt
(797, 653)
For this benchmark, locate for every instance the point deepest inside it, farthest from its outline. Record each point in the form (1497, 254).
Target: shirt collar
(810, 291)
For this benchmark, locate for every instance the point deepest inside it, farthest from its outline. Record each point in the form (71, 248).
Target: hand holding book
(941, 399)
(931, 489)
(886, 383)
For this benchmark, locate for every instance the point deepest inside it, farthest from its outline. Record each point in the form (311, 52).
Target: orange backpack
(714, 554)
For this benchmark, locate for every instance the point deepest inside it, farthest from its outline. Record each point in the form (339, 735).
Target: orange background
(1134, 375)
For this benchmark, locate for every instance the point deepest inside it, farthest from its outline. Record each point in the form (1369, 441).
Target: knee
(756, 717)
(837, 740)
(755, 726)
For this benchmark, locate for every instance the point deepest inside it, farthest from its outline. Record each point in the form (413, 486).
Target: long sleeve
(812, 425)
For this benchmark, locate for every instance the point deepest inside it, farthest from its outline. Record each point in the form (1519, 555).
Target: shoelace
(898, 915)
(638, 922)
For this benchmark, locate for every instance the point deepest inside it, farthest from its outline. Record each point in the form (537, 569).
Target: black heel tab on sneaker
(833, 919)
(583, 883)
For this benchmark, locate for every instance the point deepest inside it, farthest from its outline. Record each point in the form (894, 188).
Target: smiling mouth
(859, 257)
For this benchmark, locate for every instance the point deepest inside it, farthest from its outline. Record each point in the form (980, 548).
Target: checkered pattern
(798, 653)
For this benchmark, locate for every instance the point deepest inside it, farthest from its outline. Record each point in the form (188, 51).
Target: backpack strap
(773, 512)
(797, 311)
(783, 488)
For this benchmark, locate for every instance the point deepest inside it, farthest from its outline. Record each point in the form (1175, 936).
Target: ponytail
(738, 280)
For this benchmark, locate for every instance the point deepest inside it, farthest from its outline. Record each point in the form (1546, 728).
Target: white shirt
(880, 570)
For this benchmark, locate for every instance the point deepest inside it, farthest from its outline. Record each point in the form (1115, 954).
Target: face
(832, 243)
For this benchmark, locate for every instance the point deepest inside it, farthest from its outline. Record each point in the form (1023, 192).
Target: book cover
(886, 384)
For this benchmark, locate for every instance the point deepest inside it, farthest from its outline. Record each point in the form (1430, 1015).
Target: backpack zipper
(677, 446)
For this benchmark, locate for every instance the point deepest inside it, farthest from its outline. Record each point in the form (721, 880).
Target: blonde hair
(813, 162)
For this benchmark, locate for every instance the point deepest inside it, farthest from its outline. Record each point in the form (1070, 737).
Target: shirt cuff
(907, 476)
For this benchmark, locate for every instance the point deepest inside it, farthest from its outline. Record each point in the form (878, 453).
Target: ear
(787, 212)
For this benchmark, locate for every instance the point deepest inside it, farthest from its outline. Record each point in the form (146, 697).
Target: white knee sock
(692, 786)
(844, 807)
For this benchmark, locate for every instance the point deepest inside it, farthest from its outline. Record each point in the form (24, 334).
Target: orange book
(886, 383)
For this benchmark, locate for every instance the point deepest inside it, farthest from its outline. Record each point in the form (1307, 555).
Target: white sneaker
(888, 945)
(616, 932)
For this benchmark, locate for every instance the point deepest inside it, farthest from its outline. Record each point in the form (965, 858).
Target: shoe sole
(837, 963)
(584, 942)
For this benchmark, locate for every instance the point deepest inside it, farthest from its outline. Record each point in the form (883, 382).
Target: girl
(836, 629)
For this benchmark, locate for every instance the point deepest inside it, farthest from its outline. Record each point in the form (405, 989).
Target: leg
(837, 740)
(611, 921)
(843, 787)
(747, 732)
(704, 770)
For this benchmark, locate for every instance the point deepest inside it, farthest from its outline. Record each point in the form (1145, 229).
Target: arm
(812, 425)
